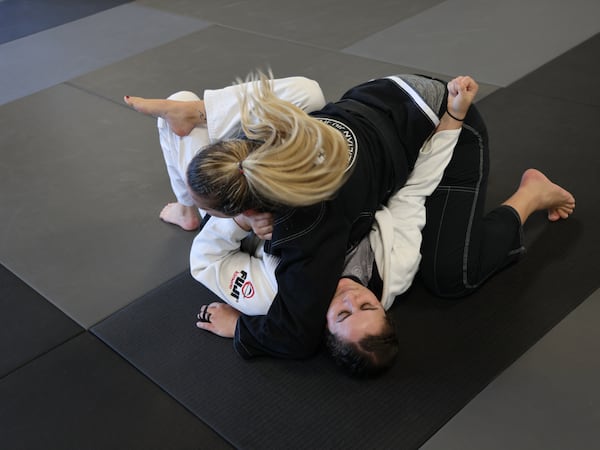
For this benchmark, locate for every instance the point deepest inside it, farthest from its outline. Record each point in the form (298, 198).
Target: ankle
(523, 202)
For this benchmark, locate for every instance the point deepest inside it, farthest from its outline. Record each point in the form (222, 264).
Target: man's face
(354, 312)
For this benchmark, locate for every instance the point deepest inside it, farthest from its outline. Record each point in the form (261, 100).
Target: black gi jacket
(385, 129)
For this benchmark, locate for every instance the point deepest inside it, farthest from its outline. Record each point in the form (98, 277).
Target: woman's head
(360, 336)
(288, 158)
(219, 179)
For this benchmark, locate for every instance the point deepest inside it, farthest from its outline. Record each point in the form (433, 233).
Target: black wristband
(455, 118)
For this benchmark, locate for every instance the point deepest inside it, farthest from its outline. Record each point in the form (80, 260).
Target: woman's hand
(260, 223)
(461, 93)
(218, 318)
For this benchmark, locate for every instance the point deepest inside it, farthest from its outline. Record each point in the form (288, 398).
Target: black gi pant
(462, 246)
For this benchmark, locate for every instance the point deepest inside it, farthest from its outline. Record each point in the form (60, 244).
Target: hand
(218, 318)
(260, 223)
(461, 93)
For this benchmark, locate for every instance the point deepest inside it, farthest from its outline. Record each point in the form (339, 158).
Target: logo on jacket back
(239, 285)
(348, 135)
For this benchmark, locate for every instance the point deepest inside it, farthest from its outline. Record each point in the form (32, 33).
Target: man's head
(361, 338)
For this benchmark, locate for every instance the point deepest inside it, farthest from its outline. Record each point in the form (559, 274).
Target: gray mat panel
(479, 38)
(83, 396)
(20, 18)
(333, 24)
(29, 325)
(79, 203)
(554, 386)
(237, 54)
(50, 57)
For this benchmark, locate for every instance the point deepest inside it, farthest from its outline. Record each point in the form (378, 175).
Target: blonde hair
(289, 158)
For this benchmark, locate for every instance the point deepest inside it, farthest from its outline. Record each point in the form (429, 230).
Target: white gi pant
(178, 151)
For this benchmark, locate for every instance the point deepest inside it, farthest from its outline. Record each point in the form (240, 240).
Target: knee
(184, 96)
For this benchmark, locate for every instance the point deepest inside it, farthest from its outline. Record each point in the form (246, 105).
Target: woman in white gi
(248, 282)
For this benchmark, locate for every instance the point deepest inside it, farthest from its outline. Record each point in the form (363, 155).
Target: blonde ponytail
(302, 161)
(289, 159)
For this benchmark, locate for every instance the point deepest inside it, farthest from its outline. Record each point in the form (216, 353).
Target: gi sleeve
(245, 281)
(312, 257)
(407, 211)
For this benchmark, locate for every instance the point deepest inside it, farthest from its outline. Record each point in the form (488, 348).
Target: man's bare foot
(536, 192)
(186, 217)
(182, 116)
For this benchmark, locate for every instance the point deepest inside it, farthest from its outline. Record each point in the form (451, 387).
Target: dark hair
(368, 357)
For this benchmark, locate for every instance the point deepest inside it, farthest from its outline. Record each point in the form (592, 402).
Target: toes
(565, 212)
(165, 210)
(553, 215)
(562, 212)
(130, 100)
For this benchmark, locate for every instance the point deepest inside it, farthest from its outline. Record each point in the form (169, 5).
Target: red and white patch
(247, 290)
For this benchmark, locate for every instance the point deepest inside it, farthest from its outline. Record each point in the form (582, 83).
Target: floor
(82, 180)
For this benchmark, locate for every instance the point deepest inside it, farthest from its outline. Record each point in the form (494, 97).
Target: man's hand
(461, 93)
(218, 318)
(260, 223)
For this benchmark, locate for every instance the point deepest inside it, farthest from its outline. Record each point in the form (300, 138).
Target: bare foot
(181, 116)
(186, 217)
(536, 192)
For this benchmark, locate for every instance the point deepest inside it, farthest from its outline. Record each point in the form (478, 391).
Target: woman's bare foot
(182, 116)
(536, 192)
(186, 217)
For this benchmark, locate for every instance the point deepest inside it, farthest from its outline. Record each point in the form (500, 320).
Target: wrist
(456, 117)
(448, 123)
(241, 222)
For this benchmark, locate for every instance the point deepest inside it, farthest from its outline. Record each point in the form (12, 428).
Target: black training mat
(580, 65)
(264, 403)
(29, 324)
(450, 350)
(19, 18)
(82, 395)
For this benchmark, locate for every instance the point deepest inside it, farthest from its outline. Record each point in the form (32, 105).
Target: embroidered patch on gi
(247, 290)
(348, 135)
(239, 285)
